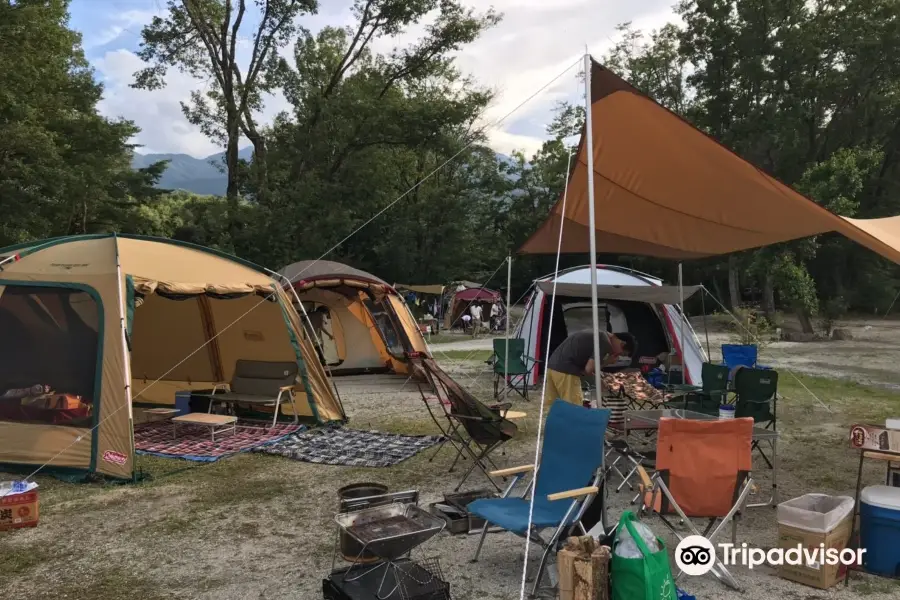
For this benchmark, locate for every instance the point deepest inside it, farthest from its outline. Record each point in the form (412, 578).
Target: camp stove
(390, 533)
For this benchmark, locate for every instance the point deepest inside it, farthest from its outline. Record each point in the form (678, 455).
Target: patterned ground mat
(350, 447)
(193, 441)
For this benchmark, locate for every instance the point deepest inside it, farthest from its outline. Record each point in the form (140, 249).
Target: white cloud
(536, 40)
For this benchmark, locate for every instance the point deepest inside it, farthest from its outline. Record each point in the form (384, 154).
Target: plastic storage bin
(879, 529)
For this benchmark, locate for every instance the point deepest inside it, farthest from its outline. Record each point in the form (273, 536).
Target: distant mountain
(197, 175)
(203, 175)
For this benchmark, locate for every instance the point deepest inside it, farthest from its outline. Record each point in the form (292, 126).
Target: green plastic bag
(647, 578)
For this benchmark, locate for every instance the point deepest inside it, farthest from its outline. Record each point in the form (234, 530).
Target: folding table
(644, 419)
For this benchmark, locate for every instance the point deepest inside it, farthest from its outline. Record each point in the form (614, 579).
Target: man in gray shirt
(574, 358)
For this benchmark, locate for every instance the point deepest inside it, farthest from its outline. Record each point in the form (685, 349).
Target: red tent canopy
(478, 294)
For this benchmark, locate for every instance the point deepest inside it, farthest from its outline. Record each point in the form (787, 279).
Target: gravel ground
(257, 526)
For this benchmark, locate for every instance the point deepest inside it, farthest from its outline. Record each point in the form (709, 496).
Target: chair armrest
(646, 482)
(216, 387)
(285, 388)
(512, 471)
(585, 491)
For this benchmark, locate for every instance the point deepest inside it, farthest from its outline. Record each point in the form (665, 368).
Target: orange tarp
(663, 188)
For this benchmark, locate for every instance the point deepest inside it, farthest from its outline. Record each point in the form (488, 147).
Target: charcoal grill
(389, 532)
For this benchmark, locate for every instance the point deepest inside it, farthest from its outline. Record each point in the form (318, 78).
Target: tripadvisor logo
(696, 555)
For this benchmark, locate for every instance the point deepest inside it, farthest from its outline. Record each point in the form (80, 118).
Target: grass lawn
(259, 526)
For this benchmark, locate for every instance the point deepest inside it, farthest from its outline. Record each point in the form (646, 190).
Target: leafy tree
(201, 38)
(64, 169)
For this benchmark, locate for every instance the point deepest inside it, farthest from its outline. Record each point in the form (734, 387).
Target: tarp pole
(592, 228)
(508, 300)
(705, 327)
(683, 317)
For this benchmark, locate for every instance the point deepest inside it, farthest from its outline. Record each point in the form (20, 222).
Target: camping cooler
(879, 529)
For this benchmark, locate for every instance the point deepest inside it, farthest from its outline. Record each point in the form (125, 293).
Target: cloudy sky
(534, 43)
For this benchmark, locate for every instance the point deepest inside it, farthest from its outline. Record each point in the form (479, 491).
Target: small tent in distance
(189, 314)
(367, 327)
(629, 301)
(463, 295)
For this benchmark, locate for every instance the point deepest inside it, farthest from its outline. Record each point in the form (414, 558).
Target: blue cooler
(879, 529)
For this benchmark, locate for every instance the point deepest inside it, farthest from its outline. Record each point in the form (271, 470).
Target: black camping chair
(756, 392)
(476, 429)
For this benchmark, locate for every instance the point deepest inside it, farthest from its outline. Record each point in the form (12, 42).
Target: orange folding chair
(702, 472)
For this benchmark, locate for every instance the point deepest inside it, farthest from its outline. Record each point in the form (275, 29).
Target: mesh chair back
(715, 378)
(572, 451)
(703, 463)
(755, 389)
(517, 364)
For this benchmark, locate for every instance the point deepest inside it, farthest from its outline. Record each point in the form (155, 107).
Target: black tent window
(49, 338)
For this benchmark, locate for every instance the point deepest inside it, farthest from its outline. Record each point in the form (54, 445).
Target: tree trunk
(805, 321)
(734, 283)
(260, 156)
(231, 162)
(769, 296)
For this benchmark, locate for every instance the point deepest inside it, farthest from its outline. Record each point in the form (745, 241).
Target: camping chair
(515, 374)
(703, 472)
(756, 392)
(571, 458)
(486, 429)
(257, 382)
(707, 398)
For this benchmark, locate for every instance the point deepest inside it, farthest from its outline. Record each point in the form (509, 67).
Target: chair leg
(541, 567)
(484, 531)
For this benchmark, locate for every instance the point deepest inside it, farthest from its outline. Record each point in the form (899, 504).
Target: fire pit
(389, 532)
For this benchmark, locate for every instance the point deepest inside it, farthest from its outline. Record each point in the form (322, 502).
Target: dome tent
(629, 301)
(107, 318)
(370, 328)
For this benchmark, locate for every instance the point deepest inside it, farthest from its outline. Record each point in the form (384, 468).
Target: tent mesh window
(389, 330)
(48, 355)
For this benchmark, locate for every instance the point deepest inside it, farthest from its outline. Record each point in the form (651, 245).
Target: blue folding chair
(740, 355)
(570, 476)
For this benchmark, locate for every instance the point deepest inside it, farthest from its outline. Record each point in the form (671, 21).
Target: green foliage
(750, 327)
(64, 169)
(380, 159)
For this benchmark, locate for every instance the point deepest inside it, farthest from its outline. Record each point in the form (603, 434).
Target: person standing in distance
(574, 359)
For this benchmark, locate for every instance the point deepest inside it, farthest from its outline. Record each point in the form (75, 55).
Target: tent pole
(315, 335)
(126, 353)
(705, 327)
(508, 300)
(683, 317)
(592, 228)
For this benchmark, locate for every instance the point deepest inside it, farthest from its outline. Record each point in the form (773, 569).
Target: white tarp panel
(651, 294)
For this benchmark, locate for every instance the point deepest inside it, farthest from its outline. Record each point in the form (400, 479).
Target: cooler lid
(882, 496)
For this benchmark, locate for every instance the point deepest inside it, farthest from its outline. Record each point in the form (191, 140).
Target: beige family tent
(109, 322)
(663, 188)
(364, 324)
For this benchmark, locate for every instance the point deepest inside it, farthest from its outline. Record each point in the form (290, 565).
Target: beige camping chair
(259, 383)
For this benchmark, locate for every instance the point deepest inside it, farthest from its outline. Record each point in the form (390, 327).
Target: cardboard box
(819, 576)
(19, 510)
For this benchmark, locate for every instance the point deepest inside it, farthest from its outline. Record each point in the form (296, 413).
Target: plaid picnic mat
(350, 447)
(194, 443)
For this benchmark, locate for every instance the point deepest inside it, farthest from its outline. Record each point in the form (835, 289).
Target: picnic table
(644, 420)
